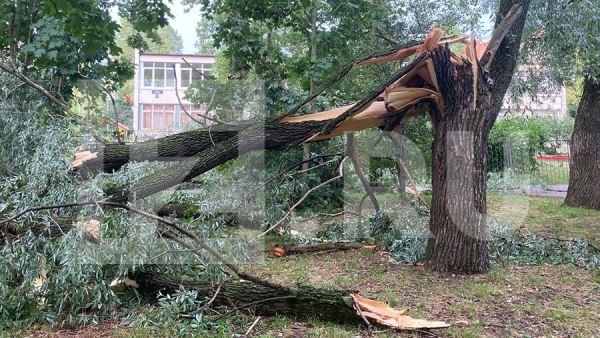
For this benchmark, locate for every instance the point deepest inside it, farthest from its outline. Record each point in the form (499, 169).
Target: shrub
(526, 137)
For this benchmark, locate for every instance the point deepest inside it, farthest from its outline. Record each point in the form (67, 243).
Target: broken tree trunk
(306, 302)
(274, 135)
(584, 182)
(458, 222)
(464, 100)
(471, 104)
(302, 302)
(170, 148)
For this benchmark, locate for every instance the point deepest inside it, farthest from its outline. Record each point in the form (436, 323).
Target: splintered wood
(402, 96)
(81, 157)
(387, 316)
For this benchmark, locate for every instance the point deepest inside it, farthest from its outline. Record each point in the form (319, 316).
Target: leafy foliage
(72, 40)
(563, 37)
(527, 137)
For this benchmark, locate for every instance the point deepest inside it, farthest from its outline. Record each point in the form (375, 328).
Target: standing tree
(584, 182)
(473, 95)
(163, 40)
(568, 43)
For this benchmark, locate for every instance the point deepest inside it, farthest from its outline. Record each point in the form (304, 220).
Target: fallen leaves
(385, 315)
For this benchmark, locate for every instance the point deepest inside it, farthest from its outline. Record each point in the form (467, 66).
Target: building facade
(156, 109)
(549, 101)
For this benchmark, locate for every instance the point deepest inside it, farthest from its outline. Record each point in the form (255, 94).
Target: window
(147, 116)
(197, 112)
(185, 76)
(189, 75)
(159, 74)
(148, 74)
(158, 116)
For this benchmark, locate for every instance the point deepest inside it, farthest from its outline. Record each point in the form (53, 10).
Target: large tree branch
(170, 148)
(504, 63)
(500, 32)
(256, 137)
(113, 157)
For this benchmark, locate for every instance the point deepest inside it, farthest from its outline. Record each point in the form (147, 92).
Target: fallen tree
(301, 302)
(461, 93)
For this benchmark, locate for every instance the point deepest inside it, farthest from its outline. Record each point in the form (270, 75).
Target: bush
(526, 138)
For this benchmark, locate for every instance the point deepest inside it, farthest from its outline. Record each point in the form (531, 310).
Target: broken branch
(341, 174)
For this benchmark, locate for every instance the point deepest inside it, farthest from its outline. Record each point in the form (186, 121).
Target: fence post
(508, 155)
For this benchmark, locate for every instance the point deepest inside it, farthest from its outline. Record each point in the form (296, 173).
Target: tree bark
(458, 213)
(274, 135)
(505, 61)
(312, 248)
(458, 241)
(584, 180)
(170, 148)
(302, 302)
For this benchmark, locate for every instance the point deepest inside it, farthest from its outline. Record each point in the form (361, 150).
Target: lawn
(511, 300)
(546, 216)
(529, 301)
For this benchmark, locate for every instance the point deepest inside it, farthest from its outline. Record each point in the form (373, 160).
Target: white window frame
(154, 70)
(200, 66)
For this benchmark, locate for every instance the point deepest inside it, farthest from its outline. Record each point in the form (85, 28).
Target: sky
(185, 24)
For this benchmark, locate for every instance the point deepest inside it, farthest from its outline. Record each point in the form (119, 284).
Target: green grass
(546, 216)
(509, 301)
(512, 301)
(543, 215)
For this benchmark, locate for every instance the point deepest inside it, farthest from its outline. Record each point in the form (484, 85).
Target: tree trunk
(458, 227)
(458, 222)
(302, 302)
(170, 148)
(584, 181)
(274, 135)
